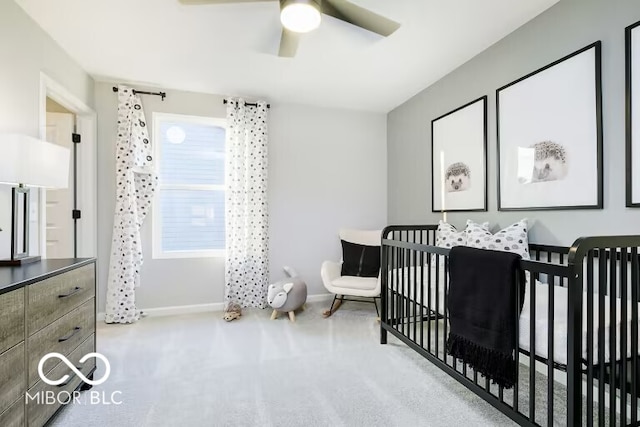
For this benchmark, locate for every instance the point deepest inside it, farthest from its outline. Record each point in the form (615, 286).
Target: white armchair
(341, 286)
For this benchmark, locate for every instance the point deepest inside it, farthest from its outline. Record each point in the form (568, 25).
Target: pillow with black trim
(360, 260)
(514, 238)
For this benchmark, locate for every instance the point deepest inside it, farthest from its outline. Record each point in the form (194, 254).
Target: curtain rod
(142, 92)
(247, 104)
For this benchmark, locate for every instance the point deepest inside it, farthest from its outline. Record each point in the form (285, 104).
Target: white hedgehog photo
(550, 162)
(457, 177)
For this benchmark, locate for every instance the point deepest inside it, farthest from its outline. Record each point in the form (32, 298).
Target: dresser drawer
(14, 416)
(54, 297)
(38, 412)
(62, 336)
(12, 379)
(11, 319)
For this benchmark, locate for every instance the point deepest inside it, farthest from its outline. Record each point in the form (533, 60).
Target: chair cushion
(360, 260)
(351, 282)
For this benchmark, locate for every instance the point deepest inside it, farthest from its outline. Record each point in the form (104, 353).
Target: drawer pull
(71, 292)
(71, 334)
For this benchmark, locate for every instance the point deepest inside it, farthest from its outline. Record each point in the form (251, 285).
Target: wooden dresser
(45, 307)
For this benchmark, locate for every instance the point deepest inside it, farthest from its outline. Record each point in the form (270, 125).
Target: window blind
(191, 186)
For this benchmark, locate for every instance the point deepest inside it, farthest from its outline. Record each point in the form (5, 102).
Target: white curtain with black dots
(135, 186)
(247, 216)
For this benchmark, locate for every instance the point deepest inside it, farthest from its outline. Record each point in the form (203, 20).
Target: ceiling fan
(302, 16)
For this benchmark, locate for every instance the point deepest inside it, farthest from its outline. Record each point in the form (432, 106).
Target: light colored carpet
(197, 370)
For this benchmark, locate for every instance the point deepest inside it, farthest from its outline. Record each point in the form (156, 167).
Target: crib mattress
(560, 318)
(561, 325)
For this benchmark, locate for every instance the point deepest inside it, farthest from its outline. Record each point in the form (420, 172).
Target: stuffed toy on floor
(232, 312)
(287, 295)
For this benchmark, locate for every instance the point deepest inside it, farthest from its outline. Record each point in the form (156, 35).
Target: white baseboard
(202, 308)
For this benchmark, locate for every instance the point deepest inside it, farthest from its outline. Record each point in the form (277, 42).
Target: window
(188, 212)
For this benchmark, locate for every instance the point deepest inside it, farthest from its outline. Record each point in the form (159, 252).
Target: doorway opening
(67, 218)
(60, 229)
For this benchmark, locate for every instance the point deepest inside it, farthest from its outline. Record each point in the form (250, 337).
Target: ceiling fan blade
(359, 16)
(193, 2)
(288, 43)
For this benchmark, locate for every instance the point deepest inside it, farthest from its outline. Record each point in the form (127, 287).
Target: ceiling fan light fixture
(300, 16)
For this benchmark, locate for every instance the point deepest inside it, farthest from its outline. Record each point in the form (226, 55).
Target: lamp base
(18, 262)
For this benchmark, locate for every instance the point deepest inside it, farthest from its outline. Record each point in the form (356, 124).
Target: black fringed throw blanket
(482, 306)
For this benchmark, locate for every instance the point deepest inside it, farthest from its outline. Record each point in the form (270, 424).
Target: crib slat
(421, 296)
(408, 291)
(602, 280)
(532, 348)
(391, 300)
(400, 294)
(464, 367)
(612, 336)
(444, 310)
(429, 309)
(590, 319)
(551, 355)
(415, 291)
(403, 291)
(407, 299)
(392, 287)
(396, 289)
(437, 303)
(517, 342)
(384, 292)
(634, 335)
(623, 336)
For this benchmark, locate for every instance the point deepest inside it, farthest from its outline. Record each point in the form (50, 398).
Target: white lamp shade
(33, 162)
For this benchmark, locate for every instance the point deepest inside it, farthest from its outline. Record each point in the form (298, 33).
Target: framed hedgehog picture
(459, 159)
(632, 41)
(550, 136)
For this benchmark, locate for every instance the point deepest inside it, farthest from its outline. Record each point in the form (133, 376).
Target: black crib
(595, 389)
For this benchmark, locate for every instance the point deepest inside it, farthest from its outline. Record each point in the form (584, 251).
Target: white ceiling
(231, 49)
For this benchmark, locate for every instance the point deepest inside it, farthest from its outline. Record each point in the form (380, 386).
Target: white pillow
(514, 238)
(447, 236)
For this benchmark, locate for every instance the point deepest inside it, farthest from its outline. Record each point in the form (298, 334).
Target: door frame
(87, 161)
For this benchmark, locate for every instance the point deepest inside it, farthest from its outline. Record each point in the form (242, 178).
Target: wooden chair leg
(292, 316)
(335, 305)
(274, 315)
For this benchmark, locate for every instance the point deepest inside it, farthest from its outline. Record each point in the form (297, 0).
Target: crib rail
(580, 389)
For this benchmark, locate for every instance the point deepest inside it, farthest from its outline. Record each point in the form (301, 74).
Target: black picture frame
(484, 147)
(598, 204)
(630, 170)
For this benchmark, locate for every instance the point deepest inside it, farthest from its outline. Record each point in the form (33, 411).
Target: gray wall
(564, 28)
(327, 169)
(26, 50)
